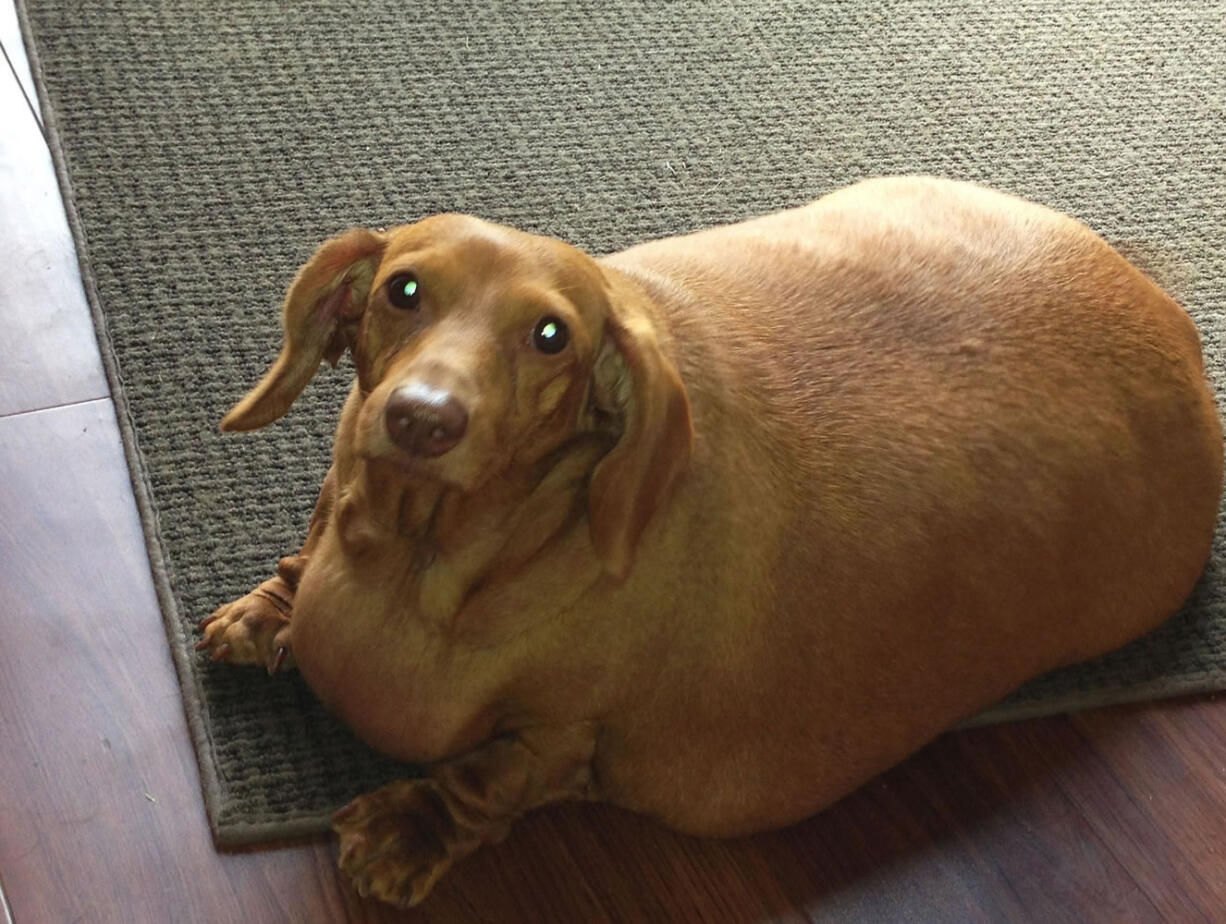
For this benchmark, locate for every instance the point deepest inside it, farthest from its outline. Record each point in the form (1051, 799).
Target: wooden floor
(1113, 815)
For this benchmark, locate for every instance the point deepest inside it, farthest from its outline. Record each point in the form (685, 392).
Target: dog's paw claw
(355, 845)
(278, 660)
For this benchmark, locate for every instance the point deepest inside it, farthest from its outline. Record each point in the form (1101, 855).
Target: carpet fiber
(207, 147)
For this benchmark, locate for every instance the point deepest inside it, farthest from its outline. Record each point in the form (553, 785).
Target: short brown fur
(799, 494)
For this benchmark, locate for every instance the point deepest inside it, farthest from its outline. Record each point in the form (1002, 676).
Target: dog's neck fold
(446, 544)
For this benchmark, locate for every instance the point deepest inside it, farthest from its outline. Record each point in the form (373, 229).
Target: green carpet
(206, 147)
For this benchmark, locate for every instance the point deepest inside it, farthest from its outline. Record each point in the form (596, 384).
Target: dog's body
(811, 489)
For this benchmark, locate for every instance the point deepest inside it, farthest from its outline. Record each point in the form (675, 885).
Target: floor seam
(38, 119)
(53, 407)
(6, 910)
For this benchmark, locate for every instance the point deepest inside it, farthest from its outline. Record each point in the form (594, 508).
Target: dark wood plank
(49, 353)
(1157, 790)
(102, 812)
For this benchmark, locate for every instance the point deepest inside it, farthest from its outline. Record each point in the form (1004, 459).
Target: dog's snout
(424, 421)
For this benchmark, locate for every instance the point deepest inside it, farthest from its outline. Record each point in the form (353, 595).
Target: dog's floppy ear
(635, 381)
(324, 304)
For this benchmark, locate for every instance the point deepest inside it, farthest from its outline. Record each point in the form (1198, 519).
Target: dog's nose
(424, 421)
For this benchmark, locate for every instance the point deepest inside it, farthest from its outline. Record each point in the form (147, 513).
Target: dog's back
(947, 439)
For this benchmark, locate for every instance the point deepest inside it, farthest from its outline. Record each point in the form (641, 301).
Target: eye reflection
(403, 291)
(550, 335)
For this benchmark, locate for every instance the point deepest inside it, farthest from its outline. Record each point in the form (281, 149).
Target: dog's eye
(403, 291)
(550, 335)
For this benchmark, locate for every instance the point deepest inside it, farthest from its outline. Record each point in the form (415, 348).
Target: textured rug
(206, 147)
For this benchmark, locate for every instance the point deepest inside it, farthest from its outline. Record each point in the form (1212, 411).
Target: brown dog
(721, 526)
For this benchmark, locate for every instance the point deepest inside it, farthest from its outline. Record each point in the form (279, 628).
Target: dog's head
(479, 347)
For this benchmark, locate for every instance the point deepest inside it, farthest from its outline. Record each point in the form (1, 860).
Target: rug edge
(1153, 691)
(171, 617)
(240, 834)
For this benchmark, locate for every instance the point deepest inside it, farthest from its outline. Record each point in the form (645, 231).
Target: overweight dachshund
(721, 526)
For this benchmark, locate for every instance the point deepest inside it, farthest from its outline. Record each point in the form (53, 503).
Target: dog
(721, 526)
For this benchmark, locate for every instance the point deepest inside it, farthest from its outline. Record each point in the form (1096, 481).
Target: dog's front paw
(397, 841)
(254, 629)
